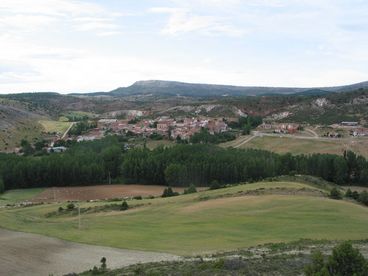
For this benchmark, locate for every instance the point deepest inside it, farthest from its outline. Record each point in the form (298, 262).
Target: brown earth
(30, 254)
(99, 192)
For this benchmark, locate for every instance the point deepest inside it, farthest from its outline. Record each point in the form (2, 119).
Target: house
(349, 123)
(56, 149)
(360, 132)
(286, 128)
(103, 123)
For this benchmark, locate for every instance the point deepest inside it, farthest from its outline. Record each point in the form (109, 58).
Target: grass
(15, 196)
(203, 222)
(54, 126)
(308, 146)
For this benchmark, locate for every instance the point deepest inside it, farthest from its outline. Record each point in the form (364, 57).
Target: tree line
(182, 165)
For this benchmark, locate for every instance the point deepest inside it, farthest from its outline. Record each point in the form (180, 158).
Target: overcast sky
(80, 46)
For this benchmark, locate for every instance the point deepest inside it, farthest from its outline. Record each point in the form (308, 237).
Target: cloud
(184, 21)
(36, 15)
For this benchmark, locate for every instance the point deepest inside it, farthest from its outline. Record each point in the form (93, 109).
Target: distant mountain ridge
(173, 88)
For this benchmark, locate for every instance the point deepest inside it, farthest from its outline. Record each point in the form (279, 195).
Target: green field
(17, 196)
(208, 221)
(304, 146)
(55, 126)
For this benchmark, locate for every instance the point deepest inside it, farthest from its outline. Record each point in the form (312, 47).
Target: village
(165, 127)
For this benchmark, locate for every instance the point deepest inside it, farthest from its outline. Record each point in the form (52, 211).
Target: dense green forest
(200, 164)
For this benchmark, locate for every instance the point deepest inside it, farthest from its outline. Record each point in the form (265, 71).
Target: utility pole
(79, 217)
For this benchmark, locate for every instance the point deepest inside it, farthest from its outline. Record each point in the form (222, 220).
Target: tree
(363, 197)
(112, 160)
(349, 193)
(175, 175)
(335, 194)
(355, 195)
(340, 171)
(124, 206)
(103, 264)
(215, 185)
(347, 261)
(168, 192)
(27, 148)
(190, 190)
(317, 267)
(2, 187)
(70, 206)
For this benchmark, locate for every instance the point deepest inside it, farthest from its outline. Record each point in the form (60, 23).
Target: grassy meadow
(207, 221)
(306, 146)
(55, 126)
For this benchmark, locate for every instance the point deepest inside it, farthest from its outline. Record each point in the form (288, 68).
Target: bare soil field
(30, 254)
(58, 194)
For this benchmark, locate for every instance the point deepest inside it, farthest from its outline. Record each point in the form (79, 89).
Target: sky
(89, 45)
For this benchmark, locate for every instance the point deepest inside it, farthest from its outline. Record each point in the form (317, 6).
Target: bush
(70, 206)
(190, 190)
(335, 194)
(2, 187)
(124, 206)
(355, 195)
(317, 267)
(103, 264)
(349, 193)
(215, 185)
(345, 261)
(60, 209)
(363, 197)
(137, 197)
(168, 192)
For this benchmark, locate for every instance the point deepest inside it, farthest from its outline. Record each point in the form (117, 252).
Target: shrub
(60, 209)
(345, 261)
(215, 185)
(124, 206)
(355, 195)
(103, 264)
(70, 206)
(168, 192)
(317, 266)
(137, 197)
(190, 190)
(363, 197)
(335, 194)
(349, 193)
(2, 187)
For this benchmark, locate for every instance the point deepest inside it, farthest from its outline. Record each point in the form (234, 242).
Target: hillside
(172, 88)
(18, 121)
(314, 109)
(260, 213)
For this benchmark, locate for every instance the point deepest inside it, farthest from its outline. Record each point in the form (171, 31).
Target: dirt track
(30, 254)
(99, 192)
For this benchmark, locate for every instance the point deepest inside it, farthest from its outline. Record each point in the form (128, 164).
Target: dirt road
(30, 254)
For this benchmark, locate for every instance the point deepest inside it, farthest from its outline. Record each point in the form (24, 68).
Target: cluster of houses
(165, 126)
(284, 128)
(359, 132)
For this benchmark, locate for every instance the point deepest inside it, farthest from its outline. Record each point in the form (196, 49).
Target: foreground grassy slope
(224, 219)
